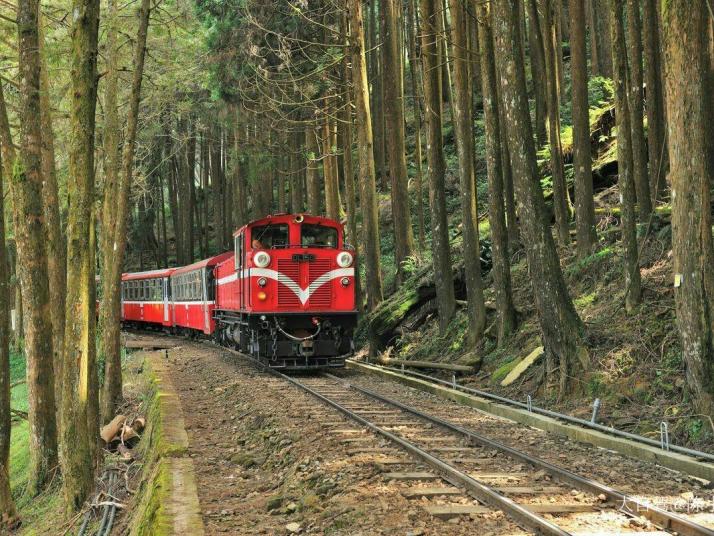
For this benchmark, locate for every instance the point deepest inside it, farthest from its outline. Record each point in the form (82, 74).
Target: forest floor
(261, 469)
(264, 466)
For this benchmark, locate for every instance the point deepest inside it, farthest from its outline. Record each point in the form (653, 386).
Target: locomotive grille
(287, 269)
(320, 296)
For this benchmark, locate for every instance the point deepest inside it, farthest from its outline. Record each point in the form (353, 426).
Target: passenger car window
(270, 236)
(318, 236)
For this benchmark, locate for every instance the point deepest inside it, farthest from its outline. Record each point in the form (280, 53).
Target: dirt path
(263, 466)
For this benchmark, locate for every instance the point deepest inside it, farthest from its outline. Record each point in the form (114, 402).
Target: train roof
(148, 274)
(289, 218)
(211, 261)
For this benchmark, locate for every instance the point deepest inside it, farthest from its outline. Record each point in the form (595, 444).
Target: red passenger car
(146, 298)
(193, 294)
(287, 295)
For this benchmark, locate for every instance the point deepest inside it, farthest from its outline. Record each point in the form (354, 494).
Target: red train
(285, 294)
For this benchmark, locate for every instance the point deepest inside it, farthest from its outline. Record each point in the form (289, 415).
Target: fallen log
(424, 364)
(139, 424)
(113, 428)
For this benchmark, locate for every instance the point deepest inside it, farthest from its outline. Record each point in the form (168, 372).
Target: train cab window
(273, 235)
(318, 236)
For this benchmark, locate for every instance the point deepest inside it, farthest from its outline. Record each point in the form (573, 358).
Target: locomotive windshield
(273, 235)
(318, 236)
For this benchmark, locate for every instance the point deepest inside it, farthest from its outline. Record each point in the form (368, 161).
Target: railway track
(455, 471)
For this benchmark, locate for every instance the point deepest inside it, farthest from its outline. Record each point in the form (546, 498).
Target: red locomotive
(285, 295)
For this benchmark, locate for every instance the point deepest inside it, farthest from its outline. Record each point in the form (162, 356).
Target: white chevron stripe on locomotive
(303, 294)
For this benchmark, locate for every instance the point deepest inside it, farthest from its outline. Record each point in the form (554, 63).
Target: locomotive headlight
(345, 281)
(262, 282)
(344, 259)
(261, 259)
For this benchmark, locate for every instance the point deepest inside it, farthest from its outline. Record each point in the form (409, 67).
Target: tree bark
(602, 32)
(56, 246)
(467, 175)
(636, 105)
(77, 445)
(560, 191)
(431, 59)
(501, 271)
(8, 511)
(394, 94)
(561, 329)
(329, 164)
(26, 190)
(116, 246)
(684, 23)
(624, 157)
(313, 177)
(370, 214)
(535, 40)
(217, 188)
(415, 79)
(655, 101)
(582, 152)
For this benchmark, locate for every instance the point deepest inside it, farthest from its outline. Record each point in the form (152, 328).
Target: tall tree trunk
(624, 157)
(205, 173)
(431, 58)
(501, 271)
(191, 187)
(368, 201)
(394, 94)
(329, 164)
(313, 177)
(582, 153)
(467, 175)
(561, 329)
(602, 32)
(56, 246)
(112, 393)
(8, 512)
(26, 190)
(415, 80)
(655, 101)
(112, 166)
(592, 34)
(77, 445)
(560, 191)
(535, 40)
(296, 190)
(636, 105)
(217, 188)
(684, 26)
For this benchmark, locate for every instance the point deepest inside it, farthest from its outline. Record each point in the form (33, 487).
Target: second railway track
(458, 472)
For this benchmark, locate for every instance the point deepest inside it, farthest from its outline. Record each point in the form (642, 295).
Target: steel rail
(524, 517)
(658, 516)
(554, 414)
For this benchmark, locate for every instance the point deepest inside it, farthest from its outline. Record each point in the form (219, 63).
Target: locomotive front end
(297, 292)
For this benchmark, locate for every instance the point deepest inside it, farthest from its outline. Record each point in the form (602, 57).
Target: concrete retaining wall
(167, 500)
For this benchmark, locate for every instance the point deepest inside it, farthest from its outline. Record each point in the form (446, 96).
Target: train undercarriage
(287, 341)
